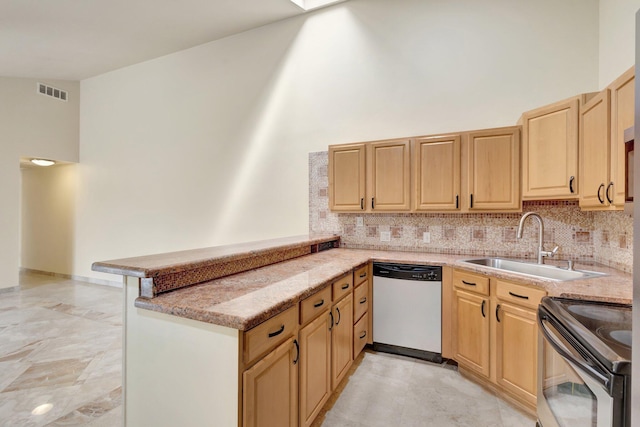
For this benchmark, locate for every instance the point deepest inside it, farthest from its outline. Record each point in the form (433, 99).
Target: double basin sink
(549, 272)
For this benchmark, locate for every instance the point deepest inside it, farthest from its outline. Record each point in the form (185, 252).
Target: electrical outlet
(359, 221)
(385, 236)
(426, 237)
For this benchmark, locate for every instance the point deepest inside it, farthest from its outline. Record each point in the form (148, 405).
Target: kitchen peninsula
(190, 317)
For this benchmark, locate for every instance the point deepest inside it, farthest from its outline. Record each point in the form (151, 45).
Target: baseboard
(72, 277)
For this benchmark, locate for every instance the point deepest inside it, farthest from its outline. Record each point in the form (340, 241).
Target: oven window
(569, 398)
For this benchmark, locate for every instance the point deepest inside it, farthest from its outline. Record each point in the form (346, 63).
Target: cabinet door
(595, 191)
(360, 334)
(517, 350)
(315, 368)
(471, 330)
(360, 301)
(550, 151)
(347, 177)
(494, 169)
(436, 169)
(341, 340)
(270, 389)
(389, 175)
(622, 110)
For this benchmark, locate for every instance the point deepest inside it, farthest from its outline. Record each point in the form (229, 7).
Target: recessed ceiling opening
(308, 5)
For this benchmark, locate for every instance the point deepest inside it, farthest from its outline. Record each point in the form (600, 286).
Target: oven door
(573, 389)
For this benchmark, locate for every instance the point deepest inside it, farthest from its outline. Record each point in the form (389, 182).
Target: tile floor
(387, 390)
(60, 354)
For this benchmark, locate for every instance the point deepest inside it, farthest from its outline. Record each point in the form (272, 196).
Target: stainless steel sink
(549, 272)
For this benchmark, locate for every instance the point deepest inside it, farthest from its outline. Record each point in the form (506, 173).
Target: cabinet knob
(573, 178)
(600, 199)
(276, 333)
(295, 361)
(518, 296)
(609, 187)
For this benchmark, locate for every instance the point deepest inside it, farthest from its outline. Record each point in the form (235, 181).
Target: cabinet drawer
(360, 334)
(519, 294)
(471, 282)
(315, 304)
(342, 286)
(268, 334)
(360, 300)
(361, 274)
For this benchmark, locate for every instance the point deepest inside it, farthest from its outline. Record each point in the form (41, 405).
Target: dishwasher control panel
(425, 273)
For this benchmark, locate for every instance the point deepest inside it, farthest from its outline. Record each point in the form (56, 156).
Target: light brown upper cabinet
(622, 111)
(475, 171)
(596, 191)
(389, 183)
(602, 154)
(347, 173)
(494, 169)
(436, 165)
(550, 151)
(370, 177)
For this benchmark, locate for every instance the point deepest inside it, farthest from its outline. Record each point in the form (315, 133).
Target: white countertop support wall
(177, 371)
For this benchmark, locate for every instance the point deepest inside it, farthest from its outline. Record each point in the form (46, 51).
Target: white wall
(30, 125)
(617, 38)
(47, 216)
(209, 145)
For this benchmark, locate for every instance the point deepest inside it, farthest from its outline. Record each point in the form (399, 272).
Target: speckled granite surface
(170, 271)
(176, 262)
(244, 300)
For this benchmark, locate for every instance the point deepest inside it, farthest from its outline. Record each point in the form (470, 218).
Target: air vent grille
(53, 92)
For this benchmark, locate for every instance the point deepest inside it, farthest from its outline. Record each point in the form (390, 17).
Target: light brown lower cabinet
(360, 334)
(270, 389)
(289, 385)
(341, 339)
(516, 350)
(471, 343)
(315, 368)
(495, 334)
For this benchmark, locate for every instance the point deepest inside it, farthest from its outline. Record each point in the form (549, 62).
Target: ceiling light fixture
(42, 409)
(43, 162)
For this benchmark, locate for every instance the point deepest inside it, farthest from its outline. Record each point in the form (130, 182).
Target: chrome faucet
(541, 252)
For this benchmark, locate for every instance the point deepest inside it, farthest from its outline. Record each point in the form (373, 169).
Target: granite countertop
(176, 262)
(244, 300)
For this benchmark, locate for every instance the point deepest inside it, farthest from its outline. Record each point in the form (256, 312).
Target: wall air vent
(53, 92)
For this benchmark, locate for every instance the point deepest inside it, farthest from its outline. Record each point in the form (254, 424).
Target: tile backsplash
(603, 237)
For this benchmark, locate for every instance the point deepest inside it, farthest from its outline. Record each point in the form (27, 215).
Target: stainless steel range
(584, 374)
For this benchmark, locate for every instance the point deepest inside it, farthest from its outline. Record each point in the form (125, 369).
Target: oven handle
(570, 357)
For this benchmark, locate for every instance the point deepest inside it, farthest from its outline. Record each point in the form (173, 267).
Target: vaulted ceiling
(77, 39)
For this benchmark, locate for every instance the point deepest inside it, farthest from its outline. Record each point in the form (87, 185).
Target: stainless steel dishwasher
(407, 310)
